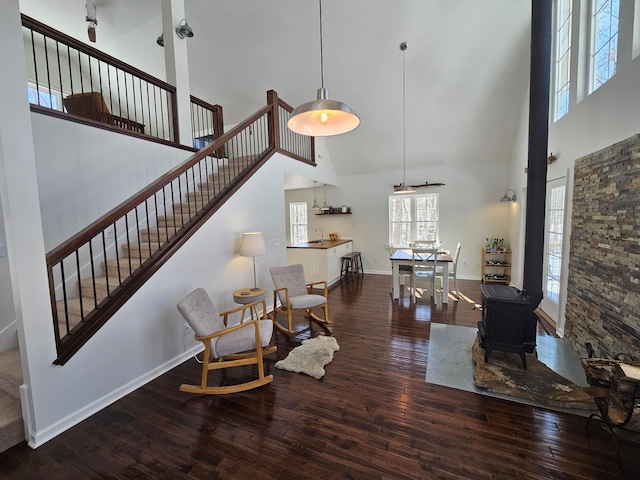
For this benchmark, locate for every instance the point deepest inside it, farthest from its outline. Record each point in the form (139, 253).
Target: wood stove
(508, 321)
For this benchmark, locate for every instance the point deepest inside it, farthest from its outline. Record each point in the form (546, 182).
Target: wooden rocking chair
(227, 346)
(295, 294)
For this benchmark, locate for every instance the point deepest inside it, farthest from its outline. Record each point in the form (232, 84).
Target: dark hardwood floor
(372, 416)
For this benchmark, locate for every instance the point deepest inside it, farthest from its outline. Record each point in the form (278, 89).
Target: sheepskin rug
(310, 357)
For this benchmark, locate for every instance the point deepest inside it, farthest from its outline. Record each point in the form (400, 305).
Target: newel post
(274, 124)
(218, 128)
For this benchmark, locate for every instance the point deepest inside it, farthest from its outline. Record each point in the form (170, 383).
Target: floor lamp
(252, 245)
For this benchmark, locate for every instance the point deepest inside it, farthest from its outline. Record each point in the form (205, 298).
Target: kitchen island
(321, 260)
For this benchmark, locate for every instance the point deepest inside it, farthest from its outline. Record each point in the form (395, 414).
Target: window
(604, 41)
(44, 97)
(413, 217)
(298, 222)
(563, 57)
(553, 249)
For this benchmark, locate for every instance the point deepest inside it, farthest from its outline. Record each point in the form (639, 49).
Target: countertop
(324, 245)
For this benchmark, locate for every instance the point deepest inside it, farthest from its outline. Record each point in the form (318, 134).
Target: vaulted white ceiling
(467, 66)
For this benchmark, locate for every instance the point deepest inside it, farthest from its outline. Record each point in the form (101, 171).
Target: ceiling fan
(424, 185)
(92, 20)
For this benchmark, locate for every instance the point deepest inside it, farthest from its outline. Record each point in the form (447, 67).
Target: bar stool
(351, 264)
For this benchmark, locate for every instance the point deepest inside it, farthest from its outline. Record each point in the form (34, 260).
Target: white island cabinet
(321, 261)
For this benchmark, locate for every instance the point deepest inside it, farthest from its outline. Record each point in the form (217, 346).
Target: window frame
(562, 61)
(293, 224)
(40, 91)
(413, 221)
(593, 81)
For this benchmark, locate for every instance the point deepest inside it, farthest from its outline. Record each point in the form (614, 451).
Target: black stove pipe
(540, 81)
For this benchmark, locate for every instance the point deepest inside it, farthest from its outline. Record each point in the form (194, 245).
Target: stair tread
(11, 424)
(10, 408)
(10, 371)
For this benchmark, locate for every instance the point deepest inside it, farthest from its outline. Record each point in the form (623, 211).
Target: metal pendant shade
(323, 117)
(315, 205)
(402, 188)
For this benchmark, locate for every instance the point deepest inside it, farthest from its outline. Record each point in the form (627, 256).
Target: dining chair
(424, 268)
(402, 269)
(423, 244)
(453, 271)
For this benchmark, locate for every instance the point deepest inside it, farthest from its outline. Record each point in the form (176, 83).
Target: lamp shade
(323, 117)
(252, 244)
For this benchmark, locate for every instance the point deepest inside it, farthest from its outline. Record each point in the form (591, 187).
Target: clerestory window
(563, 57)
(604, 41)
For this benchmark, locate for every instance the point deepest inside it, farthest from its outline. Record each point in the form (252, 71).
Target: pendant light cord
(403, 47)
(321, 51)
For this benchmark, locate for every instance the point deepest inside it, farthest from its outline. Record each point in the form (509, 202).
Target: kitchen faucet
(321, 234)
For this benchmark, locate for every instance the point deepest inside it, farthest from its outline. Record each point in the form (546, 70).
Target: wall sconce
(184, 30)
(160, 40)
(252, 245)
(508, 198)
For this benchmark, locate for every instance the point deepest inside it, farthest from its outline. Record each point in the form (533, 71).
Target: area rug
(450, 363)
(310, 357)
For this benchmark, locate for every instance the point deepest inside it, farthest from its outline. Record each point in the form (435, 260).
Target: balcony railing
(69, 78)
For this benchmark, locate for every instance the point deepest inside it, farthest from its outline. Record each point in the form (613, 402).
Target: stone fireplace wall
(603, 294)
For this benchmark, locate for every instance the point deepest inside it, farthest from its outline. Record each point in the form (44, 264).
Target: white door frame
(550, 307)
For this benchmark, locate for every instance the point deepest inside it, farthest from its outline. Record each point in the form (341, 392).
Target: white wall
(470, 211)
(8, 334)
(85, 171)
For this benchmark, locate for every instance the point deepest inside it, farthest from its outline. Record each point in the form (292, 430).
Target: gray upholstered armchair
(295, 294)
(226, 346)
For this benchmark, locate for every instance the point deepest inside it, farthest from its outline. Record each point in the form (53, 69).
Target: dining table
(405, 257)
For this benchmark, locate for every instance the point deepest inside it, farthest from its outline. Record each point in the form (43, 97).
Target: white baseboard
(38, 438)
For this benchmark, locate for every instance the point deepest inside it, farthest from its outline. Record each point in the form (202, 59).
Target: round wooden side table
(244, 296)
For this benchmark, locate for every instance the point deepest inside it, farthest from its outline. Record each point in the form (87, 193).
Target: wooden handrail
(72, 42)
(71, 244)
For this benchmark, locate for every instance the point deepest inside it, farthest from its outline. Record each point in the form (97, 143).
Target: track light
(160, 40)
(184, 30)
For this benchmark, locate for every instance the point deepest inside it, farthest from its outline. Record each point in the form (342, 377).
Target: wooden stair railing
(96, 271)
(69, 79)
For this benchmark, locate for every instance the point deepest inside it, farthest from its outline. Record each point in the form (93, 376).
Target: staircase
(133, 254)
(11, 424)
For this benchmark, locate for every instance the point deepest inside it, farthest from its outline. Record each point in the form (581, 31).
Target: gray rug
(450, 363)
(310, 357)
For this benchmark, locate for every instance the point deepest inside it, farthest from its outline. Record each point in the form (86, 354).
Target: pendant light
(315, 205)
(402, 188)
(325, 207)
(323, 117)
